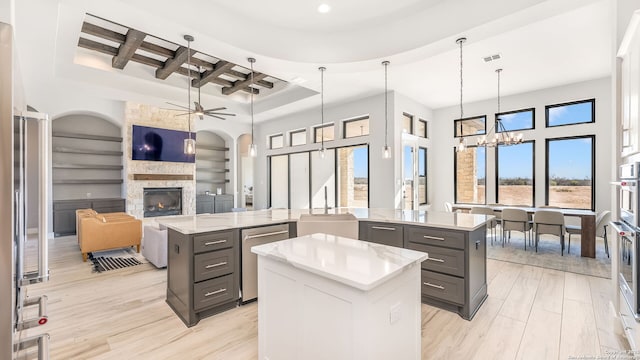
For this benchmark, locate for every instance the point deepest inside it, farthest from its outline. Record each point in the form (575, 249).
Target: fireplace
(162, 201)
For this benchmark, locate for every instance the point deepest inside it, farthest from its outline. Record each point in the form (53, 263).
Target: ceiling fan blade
(218, 113)
(201, 117)
(183, 114)
(180, 106)
(216, 109)
(219, 117)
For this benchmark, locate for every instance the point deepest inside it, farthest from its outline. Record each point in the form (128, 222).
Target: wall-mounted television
(154, 144)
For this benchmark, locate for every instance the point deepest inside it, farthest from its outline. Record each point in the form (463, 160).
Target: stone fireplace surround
(145, 115)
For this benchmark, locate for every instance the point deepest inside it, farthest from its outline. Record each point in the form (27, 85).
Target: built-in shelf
(213, 181)
(213, 170)
(86, 181)
(162, 177)
(86, 151)
(210, 158)
(215, 148)
(88, 166)
(85, 136)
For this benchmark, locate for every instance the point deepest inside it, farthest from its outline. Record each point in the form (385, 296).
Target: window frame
(533, 174)
(426, 182)
(337, 185)
(593, 112)
(593, 166)
(271, 137)
(318, 127)
(456, 121)
(411, 127)
(426, 131)
(346, 122)
(291, 133)
(455, 176)
(533, 118)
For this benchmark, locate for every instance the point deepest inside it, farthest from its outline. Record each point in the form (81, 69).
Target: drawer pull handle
(215, 292)
(266, 234)
(434, 286)
(436, 259)
(215, 265)
(433, 238)
(215, 242)
(383, 228)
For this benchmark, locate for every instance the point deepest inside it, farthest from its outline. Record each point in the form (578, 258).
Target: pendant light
(253, 148)
(190, 143)
(462, 145)
(386, 149)
(322, 151)
(500, 134)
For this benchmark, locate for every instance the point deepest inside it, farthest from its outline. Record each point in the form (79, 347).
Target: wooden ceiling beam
(219, 68)
(241, 76)
(133, 40)
(174, 63)
(240, 84)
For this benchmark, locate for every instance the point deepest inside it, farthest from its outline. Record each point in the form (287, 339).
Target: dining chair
(491, 224)
(601, 223)
(515, 220)
(549, 222)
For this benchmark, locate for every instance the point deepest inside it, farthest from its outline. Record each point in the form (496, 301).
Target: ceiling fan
(201, 111)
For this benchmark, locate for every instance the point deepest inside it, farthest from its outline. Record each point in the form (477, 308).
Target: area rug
(548, 255)
(113, 259)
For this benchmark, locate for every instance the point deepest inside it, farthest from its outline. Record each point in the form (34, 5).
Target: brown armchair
(100, 232)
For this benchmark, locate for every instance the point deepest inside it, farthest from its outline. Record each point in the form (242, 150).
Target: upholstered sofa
(154, 245)
(101, 232)
(88, 213)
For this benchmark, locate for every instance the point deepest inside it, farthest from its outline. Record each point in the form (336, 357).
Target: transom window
(517, 120)
(298, 137)
(276, 141)
(326, 131)
(421, 128)
(356, 127)
(471, 126)
(407, 123)
(571, 113)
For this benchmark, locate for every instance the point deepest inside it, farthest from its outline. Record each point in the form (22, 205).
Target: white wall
(600, 89)
(7, 13)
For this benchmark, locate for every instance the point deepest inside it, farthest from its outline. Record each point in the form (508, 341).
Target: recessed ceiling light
(324, 8)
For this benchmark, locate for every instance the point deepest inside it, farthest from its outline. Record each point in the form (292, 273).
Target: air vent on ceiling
(492, 57)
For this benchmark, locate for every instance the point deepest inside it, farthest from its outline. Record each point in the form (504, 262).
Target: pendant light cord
(460, 41)
(322, 69)
(189, 85)
(251, 61)
(386, 106)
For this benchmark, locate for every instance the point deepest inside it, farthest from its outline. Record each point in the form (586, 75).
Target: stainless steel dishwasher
(253, 237)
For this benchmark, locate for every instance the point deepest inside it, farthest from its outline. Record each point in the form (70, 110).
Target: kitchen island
(204, 261)
(330, 297)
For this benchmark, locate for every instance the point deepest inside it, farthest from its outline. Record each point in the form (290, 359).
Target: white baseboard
(32, 231)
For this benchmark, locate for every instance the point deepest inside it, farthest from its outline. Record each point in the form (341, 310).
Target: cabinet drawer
(448, 261)
(213, 264)
(382, 233)
(213, 292)
(72, 205)
(443, 287)
(212, 241)
(108, 204)
(437, 237)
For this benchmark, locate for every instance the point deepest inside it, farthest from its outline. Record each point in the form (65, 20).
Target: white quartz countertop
(193, 224)
(359, 264)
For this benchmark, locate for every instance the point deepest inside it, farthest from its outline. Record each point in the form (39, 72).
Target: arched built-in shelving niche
(212, 163)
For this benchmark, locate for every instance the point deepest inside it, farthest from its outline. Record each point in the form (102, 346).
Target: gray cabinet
(204, 204)
(209, 204)
(64, 212)
(454, 277)
(381, 233)
(202, 273)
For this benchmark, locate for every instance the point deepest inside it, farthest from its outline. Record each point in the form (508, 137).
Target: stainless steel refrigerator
(24, 151)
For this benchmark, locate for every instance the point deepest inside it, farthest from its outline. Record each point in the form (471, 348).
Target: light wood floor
(531, 313)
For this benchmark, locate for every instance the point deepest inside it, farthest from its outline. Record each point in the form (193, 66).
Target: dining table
(587, 222)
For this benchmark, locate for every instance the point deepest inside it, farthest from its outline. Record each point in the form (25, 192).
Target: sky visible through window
(361, 162)
(570, 114)
(570, 158)
(517, 121)
(511, 160)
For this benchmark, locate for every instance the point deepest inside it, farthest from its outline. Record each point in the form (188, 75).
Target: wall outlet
(88, 195)
(394, 313)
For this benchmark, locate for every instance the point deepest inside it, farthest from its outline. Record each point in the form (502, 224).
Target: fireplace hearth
(162, 201)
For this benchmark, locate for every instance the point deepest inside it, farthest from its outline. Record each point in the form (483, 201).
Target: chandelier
(500, 134)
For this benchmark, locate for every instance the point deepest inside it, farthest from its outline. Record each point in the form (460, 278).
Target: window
(470, 126)
(570, 172)
(353, 176)
(407, 123)
(328, 131)
(515, 174)
(276, 141)
(421, 128)
(422, 175)
(517, 120)
(356, 127)
(578, 112)
(470, 175)
(298, 137)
